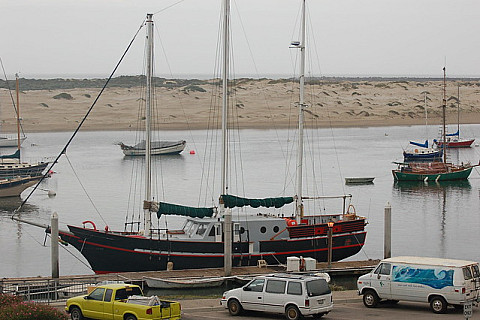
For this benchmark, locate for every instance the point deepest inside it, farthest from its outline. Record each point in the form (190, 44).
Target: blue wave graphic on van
(435, 278)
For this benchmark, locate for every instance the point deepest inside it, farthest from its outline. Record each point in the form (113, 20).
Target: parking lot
(348, 305)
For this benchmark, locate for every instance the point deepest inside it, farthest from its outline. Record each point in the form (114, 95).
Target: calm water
(430, 220)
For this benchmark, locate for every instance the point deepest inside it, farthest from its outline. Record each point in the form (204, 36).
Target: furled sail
(423, 145)
(453, 134)
(168, 208)
(234, 201)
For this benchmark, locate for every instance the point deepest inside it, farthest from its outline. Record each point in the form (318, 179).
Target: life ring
(291, 222)
(91, 222)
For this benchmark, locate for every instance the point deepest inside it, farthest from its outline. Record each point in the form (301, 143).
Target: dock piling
(54, 245)
(387, 242)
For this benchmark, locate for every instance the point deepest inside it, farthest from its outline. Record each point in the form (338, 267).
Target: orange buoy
(192, 151)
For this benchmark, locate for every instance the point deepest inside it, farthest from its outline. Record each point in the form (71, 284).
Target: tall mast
(17, 90)
(148, 175)
(458, 112)
(227, 218)
(299, 203)
(426, 114)
(225, 75)
(444, 107)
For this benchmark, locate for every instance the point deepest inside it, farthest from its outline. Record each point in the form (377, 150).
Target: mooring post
(54, 245)
(227, 232)
(387, 241)
(330, 243)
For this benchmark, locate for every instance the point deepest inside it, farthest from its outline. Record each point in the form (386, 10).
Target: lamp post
(330, 240)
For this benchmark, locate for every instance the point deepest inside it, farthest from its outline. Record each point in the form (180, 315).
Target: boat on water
(13, 187)
(185, 283)
(156, 148)
(434, 171)
(212, 237)
(359, 180)
(453, 140)
(421, 151)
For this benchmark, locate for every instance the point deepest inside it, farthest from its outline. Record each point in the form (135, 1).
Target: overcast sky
(85, 38)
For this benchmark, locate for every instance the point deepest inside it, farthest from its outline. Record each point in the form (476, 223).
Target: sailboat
(421, 151)
(156, 148)
(16, 176)
(7, 140)
(453, 140)
(434, 171)
(212, 237)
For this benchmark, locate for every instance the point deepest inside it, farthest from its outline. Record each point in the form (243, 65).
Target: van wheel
(438, 305)
(76, 314)
(292, 313)
(370, 299)
(234, 307)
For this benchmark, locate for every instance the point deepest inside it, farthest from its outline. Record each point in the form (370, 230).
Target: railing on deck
(52, 290)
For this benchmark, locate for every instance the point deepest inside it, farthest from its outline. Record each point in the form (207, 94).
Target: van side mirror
(247, 289)
(378, 276)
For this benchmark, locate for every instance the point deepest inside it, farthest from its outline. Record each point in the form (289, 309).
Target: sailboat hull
(107, 253)
(457, 144)
(446, 176)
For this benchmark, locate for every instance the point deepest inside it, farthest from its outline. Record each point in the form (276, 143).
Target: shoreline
(255, 104)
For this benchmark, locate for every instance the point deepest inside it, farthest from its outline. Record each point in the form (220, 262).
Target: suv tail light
(149, 311)
(307, 303)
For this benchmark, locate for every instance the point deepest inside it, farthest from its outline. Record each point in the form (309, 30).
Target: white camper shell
(440, 282)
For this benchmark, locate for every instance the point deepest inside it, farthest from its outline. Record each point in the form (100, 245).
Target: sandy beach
(257, 104)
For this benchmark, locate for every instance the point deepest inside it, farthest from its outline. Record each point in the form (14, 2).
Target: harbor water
(428, 219)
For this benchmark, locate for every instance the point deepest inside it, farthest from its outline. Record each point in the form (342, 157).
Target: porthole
(275, 229)
(263, 229)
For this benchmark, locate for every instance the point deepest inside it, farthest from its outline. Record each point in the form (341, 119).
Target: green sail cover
(234, 201)
(15, 155)
(168, 208)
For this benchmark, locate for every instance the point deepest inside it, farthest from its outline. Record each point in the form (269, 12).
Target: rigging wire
(11, 95)
(64, 150)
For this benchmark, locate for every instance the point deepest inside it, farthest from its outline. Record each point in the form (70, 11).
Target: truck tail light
(307, 303)
(149, 311)
(463, 290)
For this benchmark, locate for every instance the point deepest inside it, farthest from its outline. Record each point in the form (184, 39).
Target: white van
(294, 295)
(440, 282)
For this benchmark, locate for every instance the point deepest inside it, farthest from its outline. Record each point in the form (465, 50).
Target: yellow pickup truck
(121, 302)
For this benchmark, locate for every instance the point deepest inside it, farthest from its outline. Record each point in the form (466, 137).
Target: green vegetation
(14, 308)
(63, 95)
(193, 88)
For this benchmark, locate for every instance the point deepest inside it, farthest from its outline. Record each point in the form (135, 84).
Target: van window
(256, 285)
(383, 268)
(475, 271)
(294, 288)
(275, 286)
(317, 288)
(467, 275)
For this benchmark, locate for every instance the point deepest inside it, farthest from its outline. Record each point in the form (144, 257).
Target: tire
(438, 305)
(292, 313)
(234, 307)
(370, 299)
(76, 314)
(130, 317)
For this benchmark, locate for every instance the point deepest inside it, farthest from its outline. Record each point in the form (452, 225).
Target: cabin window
(275, 229)
(212, 232)
(242, 230)
(263, 229)
(294, 288)
(202, 227)
(108, 295)
(467, 275)
(97, 294)
(275, 286)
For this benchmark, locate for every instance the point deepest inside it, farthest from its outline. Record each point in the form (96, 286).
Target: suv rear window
(317, 288)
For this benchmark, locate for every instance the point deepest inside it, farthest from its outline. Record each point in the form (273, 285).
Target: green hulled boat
(424, 172)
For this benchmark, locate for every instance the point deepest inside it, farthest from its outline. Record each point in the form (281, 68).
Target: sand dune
(255, 103)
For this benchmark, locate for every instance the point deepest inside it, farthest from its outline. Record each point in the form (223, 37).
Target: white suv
(291, 294)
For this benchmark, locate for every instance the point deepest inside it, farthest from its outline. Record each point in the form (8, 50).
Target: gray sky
(348, 37)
